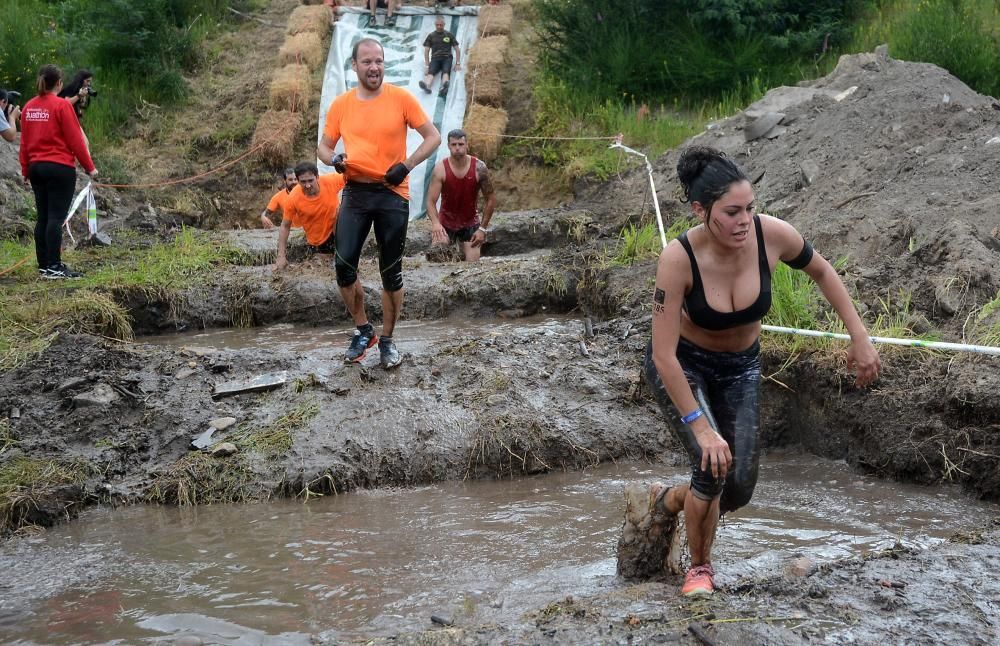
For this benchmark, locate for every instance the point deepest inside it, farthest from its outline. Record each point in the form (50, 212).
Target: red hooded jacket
(50, 132)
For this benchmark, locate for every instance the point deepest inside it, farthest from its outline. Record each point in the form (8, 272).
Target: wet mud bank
(945, 594)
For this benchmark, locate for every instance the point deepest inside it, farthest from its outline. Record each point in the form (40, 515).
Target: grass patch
(962, 36)
(986, 324)
(33, 311)
(201, 479)
(639, 243)
(28, 484)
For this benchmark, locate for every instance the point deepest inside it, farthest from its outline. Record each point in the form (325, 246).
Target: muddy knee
(737, 491)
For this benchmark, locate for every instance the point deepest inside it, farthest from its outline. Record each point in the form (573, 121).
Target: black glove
(395, 175)
(338, 163)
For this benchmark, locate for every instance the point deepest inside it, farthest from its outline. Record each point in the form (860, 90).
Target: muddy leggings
(362, 207)
(53, 186)
(727, 387)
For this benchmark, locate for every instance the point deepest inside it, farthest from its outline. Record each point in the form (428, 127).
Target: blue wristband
(692, 416)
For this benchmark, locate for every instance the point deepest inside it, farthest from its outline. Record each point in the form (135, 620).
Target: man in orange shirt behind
(278, 199)
(372, 119)
(313, 206)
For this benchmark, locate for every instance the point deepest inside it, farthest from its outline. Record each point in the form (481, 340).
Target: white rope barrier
(910, 343)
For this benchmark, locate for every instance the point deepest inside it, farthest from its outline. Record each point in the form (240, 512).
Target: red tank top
(458, 198)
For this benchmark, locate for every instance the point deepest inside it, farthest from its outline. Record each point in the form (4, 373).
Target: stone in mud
(184, 373)
(224, 450)
(650, 540)
(100, 395)
(222, 423)
(800, 567)
(71, 383)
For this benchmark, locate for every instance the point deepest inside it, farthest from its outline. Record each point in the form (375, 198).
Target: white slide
(404, 66)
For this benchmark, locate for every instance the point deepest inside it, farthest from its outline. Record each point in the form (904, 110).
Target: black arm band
(800, 261)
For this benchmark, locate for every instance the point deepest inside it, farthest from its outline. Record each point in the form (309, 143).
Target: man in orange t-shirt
(278, 199)
(372, 121)
(313, 206)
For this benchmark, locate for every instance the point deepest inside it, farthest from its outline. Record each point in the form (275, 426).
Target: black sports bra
(697, 307)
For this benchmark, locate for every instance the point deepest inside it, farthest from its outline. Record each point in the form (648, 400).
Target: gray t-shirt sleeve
(4, 124)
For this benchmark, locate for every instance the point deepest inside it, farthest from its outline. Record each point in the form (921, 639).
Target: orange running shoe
(698, 581)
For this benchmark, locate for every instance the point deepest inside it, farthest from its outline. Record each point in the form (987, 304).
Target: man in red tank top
(458, 180)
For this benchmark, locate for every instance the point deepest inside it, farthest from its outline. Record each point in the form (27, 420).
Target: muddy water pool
(377, 562)
(410, 336)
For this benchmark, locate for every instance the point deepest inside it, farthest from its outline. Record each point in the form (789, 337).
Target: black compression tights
(363, 207)
(727, 387)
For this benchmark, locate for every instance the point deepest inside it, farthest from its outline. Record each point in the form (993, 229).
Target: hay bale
(488, 51)
(291, 88)
(483, 85)
(275, 135)
(315, 19)
(306, 48)
(495, 19)
(485, 126)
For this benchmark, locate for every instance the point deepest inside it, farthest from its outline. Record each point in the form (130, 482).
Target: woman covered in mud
(713, 287)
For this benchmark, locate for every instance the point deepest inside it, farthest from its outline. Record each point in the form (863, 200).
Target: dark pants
(53, 186)
(363, 207)
(726, 386)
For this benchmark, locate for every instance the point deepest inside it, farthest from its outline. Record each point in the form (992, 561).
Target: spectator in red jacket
(51, 144)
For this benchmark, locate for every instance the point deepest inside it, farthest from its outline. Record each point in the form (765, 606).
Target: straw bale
(304, 48)
(495, 19)
(275, 134)
(291, 88)
(315, 19)
(485, 126)
(488, 51)
(483, 85)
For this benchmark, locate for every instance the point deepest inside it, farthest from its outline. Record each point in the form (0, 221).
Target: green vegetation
(986, 324)
(962, 36)
(139, 50)
(658, 70)
(27, 483)
(643, 242)
(32, 312)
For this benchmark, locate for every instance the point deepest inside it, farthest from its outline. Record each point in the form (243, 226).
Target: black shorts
(462, 235)
(329, 246)
(440, 65)
(364, 207)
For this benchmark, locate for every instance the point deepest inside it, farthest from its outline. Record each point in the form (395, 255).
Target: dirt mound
(884, 162)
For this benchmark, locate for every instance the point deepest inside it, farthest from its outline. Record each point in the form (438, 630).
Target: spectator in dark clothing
(438, 48)
(79, 91)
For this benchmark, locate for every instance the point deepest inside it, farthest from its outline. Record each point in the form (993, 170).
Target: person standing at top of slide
(372, 120)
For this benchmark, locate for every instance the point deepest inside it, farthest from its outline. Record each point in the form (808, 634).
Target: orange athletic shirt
(278, 201)
(316, 215)
(374, 131)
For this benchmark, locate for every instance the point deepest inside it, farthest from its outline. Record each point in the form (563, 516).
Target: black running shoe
(372, 21)
(444, 89)
(390, 21)
(61, 271)
(426, 88)
(389, 356)
(359, 346)
(43, 272)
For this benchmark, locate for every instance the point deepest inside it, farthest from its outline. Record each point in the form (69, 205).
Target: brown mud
(923, 182)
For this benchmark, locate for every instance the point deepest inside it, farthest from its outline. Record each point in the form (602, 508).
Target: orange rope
(15, 265)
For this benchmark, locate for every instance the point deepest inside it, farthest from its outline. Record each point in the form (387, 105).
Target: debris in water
(443, 621)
